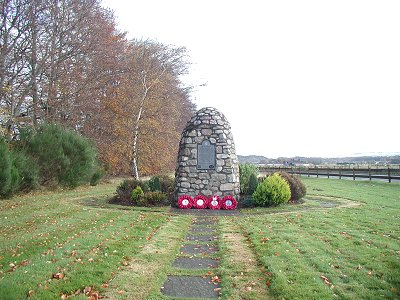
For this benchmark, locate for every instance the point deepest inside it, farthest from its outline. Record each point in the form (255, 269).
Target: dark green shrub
(253, 183)
(272, 191)
(124, 190)
(155, 184)
(10, 177)
(168, 187)
(152, 199)
(64, 156)
(15, 181)
(5, 168)
(97, 176)
(246, 201)
(297, 188)
(18, 172)
(28, 170)
(245, 171)
(137, 194)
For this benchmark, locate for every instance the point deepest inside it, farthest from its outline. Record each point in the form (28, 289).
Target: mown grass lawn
(337, 253)
(56, 244)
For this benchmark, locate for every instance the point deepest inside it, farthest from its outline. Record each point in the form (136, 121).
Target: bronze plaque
(206, 156)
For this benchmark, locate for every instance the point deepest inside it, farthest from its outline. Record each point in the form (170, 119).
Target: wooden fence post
(390, 179)
(317, 171)
(308, 171)
(328, 172)
(354, 174)
(340, 172)
(369, 172)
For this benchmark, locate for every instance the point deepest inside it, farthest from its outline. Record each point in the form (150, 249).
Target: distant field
(60, 244)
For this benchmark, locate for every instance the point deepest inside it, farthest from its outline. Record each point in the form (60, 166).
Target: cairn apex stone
(207, 146)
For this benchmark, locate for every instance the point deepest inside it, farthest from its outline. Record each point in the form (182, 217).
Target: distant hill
(368, 159)
(253, 159)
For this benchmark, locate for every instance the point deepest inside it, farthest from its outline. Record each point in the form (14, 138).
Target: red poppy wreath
(185, 201)
(229, 203)
(214, 202)
(200, 201)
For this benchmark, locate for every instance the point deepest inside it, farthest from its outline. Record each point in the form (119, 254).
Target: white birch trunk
(135, 171)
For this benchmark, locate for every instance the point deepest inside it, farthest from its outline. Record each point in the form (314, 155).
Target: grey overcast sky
(293, 78)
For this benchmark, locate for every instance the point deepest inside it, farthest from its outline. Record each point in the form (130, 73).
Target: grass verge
(66, 243)
(242, 276)
(344, 253)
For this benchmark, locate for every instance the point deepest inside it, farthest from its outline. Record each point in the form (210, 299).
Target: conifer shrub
(28, 170)
(97, 176)
(297, 188)
(18, 172)
(273, 191)
(153, 199)
(124, 190)
(246, 201)
(253, 183)
(168, 187)
(155, 184)
(11, 180)
(64, 156)
(245, 172)
(137, 194)
(5, 169)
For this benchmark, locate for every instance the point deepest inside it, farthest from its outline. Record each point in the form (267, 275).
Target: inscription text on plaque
(206, 156)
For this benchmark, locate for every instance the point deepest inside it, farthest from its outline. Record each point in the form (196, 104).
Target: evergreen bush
(18, 172)
(297, 188)
(253, 183)
(64, 156)
(153, 199)
(246, 201)
(128, 192)
(137, 194)
(245, 171)
(168, 188)
(155, 184)
(5, 169)
(28, 170)
(97, 176)
(124, 190)
(274, 190)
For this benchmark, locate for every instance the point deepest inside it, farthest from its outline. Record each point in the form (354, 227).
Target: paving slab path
(200, 244)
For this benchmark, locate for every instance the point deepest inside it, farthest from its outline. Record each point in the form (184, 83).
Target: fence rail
(390, 174)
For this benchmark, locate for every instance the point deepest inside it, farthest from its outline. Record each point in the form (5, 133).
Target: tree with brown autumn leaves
(64, 61)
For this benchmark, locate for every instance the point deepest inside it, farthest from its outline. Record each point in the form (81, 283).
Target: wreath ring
(214, 202)
(200, 202)
(185, 202)
(229, 202)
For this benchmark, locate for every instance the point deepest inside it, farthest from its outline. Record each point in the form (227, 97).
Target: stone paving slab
(190, 287)
(198, 249)
(201, 238)
(205, 222)
(195, 263)
(202, 229)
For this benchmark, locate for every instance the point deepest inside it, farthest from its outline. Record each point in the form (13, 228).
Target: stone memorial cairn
(207, 171)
